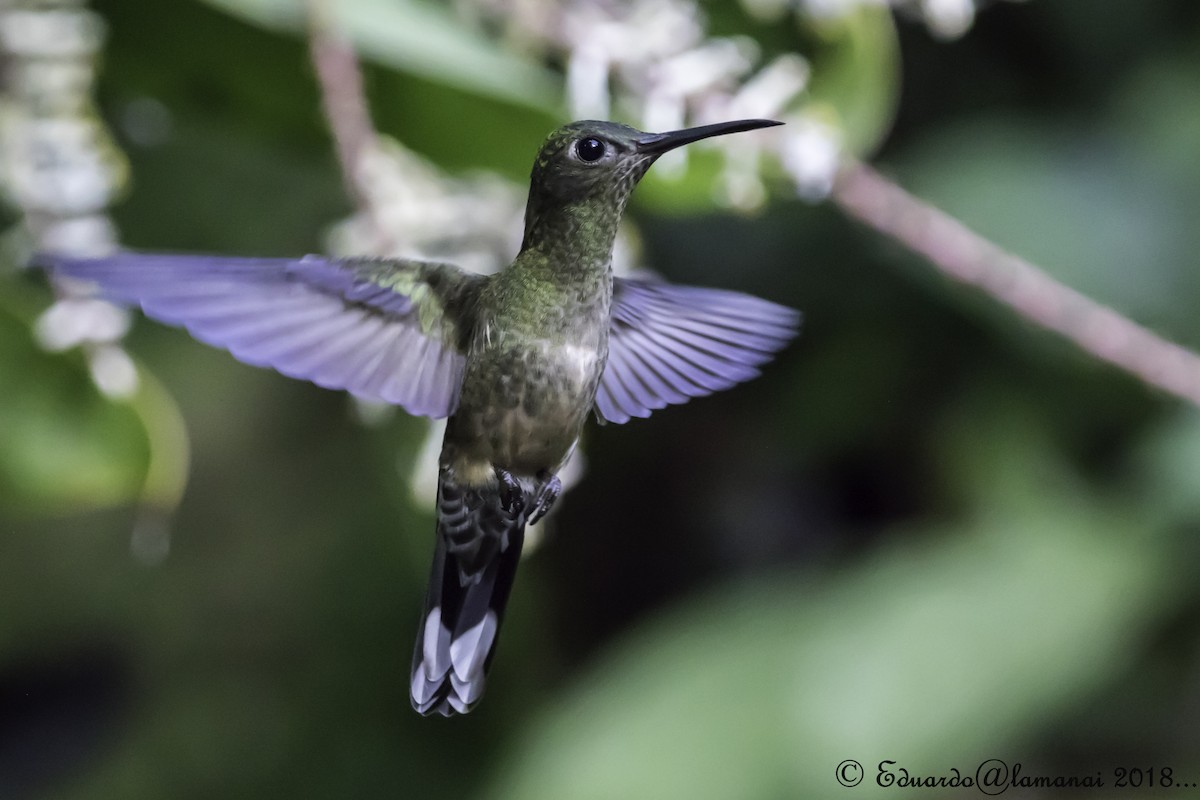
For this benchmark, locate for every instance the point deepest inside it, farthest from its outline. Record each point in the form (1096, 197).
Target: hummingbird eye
(589, 150)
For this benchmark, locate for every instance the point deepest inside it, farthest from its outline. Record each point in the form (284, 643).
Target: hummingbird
(516, 360)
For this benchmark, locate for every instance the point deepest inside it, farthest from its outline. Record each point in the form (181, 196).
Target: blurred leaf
(1167, 469)
(760, 691)
(63, 446)
(220, 184)
(686, 191)
(1084, 209)
(167, 469)
(855, 82)
(1156, 110)
(423, 38)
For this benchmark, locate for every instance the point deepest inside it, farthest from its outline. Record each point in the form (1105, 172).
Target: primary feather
(381, 329)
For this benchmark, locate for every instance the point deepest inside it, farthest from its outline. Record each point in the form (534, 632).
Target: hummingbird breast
(523, 404)
(529, 383)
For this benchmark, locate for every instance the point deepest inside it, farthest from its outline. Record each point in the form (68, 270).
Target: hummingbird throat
(579, 234)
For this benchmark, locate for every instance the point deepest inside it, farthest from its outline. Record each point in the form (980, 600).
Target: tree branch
(966, 256)
(344, 103)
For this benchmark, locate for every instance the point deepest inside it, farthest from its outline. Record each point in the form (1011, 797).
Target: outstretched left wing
(383, 329)
(670, 343)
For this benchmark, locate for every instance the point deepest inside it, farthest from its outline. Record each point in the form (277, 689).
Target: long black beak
(658, 143)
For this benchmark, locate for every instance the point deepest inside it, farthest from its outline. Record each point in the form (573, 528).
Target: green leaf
(855, 83)
(1083, 208)
(63, 446)
(1166, 471)
(420, 38)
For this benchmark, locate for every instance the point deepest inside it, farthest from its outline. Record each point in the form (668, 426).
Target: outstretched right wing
(669, 343)
(382, 329)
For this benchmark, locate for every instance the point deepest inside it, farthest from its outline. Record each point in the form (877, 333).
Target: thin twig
(966, 256)
(344, 102)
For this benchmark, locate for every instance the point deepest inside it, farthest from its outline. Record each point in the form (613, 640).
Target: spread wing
(383, 329)
(670, 343)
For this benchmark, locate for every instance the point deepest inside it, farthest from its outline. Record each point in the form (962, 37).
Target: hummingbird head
(585, 173)
(595, 160)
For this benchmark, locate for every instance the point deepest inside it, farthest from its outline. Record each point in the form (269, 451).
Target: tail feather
(474, 562)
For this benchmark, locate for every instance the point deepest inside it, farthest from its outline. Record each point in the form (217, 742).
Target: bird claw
(547, 493)
(512, 498)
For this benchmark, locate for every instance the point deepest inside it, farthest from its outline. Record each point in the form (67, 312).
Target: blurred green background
(929, 533)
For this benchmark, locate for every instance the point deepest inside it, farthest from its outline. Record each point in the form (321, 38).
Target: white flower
(72, 321)
(948, 19)
(113, 371)
(811, 154)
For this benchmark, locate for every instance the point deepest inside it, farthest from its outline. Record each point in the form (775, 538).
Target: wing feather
(670, 343)
(382, 329)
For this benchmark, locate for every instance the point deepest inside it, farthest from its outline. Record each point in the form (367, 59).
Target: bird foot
(512, 498)
(548, 492)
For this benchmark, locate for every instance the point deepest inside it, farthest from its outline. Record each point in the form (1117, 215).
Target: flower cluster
(653, 61)
(61, 170)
